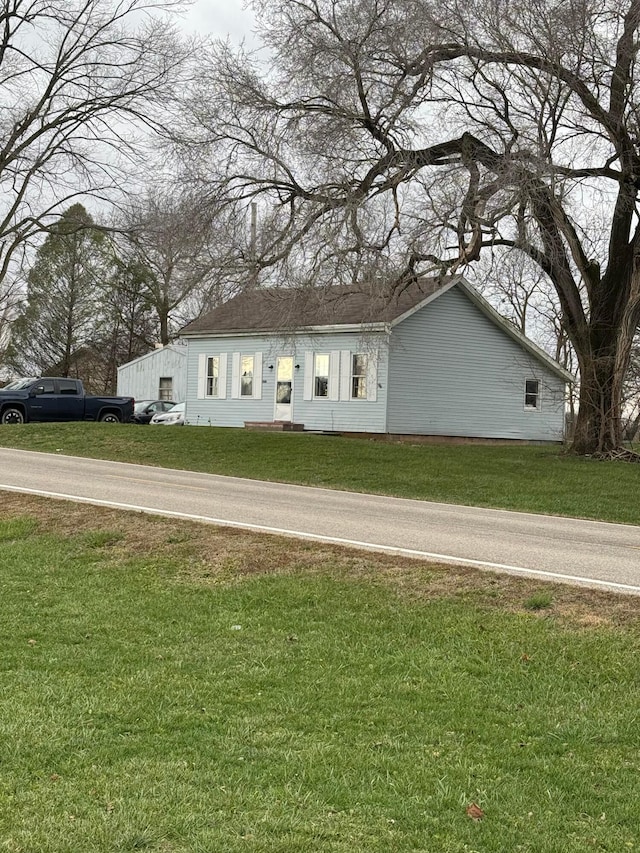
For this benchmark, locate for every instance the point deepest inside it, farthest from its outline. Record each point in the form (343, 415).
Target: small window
(321, 375)
(45, 386)
(246, 376)
(532, 394)
(213, 374)
(359, 376)
(68, 386)
(165, 388)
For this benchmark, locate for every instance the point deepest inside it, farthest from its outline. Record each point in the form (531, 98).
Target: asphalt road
(587, 552)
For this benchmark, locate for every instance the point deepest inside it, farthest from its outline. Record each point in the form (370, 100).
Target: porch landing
(273, 426)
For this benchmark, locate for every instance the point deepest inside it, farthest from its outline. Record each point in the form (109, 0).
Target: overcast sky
(221, 18)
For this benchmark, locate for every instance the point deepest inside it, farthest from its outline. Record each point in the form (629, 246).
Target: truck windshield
(19, 384)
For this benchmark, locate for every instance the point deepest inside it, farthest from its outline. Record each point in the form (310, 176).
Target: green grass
(148, 702)
(538, 479)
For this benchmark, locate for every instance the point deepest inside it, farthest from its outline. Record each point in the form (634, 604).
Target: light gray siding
(455, 372)
(141, 378)
(316, 414)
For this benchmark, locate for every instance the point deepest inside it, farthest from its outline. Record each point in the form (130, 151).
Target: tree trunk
(604, 362)
(598, 424)
(164, 327)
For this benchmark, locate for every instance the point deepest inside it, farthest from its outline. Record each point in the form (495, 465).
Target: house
(157, 375)
(431, 359)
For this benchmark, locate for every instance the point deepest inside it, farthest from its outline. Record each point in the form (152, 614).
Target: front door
(284, 387)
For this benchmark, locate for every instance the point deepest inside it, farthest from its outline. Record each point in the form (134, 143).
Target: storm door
(284, 387)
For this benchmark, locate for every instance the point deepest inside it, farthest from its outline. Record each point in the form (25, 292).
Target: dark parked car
(144, 410)
(59, 398)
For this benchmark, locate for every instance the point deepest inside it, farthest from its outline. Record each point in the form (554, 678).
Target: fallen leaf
(475, 812)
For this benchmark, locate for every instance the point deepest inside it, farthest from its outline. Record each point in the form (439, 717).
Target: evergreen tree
(65, 292)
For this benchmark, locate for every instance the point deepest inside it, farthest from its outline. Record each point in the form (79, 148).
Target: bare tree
(11, 300)
(125, 326)
(435, 129)
(174, 236)
(80, 82)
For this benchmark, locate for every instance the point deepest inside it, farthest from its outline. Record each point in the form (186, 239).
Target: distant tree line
(96, 296)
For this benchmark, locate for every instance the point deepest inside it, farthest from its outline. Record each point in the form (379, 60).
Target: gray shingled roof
(281, 308)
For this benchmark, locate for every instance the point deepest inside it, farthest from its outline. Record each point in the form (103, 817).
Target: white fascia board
(176, 349)
(301, 331)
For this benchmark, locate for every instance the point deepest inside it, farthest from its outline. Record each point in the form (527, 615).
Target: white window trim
(203, 359)
(333, 390)
(163, 390)
(538, 407)
(236, 366)
(315, 375)
(346, 376)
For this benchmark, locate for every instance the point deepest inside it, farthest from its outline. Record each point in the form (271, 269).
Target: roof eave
(299, 330)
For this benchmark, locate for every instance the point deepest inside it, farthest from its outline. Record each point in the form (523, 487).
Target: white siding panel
(454, 372)
(141, 378)
(316, 414)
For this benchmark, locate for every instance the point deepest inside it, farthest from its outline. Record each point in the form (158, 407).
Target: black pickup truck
(52, 398)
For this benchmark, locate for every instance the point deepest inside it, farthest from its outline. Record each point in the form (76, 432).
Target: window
(358, 376)
(45, 386)
(321, 375)
(532, 394)
(68, 386)
(213, 375)
(246, 376)
(165, 390)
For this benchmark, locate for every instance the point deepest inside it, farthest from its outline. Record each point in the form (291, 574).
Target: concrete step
(274, 426)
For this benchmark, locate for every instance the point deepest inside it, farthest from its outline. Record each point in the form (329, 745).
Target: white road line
(155, 482)
(333, 540)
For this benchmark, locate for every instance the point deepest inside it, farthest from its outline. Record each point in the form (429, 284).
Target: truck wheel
(110, 418)
(12, 415)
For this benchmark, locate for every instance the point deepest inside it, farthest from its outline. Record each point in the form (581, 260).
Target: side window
(68, 386)
(532, 394)
(165, 388)
(321, 375)
(45, 386)
(358, 376)
(213, 375)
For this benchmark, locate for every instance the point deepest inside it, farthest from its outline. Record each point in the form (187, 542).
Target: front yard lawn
(180, 688)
